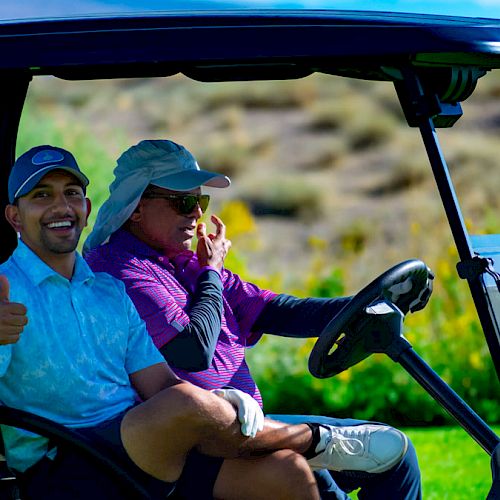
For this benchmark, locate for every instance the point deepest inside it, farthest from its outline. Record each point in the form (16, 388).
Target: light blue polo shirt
(72, 363)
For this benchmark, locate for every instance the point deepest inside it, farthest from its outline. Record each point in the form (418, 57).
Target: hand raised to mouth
(212, 248)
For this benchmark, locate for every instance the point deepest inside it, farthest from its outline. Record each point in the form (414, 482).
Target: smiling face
(159, 225)
(51, 217)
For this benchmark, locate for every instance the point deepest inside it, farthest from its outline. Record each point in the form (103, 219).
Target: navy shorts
(73, 475)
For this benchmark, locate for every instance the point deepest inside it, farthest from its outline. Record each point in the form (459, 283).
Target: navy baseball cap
(31, 166)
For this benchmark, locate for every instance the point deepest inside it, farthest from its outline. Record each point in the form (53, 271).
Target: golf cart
(434, 63)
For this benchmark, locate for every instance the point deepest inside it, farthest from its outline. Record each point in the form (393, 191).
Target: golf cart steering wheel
(342, 343)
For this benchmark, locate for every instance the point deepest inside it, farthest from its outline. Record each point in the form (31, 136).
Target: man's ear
(13, 218)
(89, 209)
(137, 213)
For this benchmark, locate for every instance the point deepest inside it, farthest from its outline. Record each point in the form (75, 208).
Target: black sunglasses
(183, 204)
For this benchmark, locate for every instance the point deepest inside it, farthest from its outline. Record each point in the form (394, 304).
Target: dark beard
(61, 247)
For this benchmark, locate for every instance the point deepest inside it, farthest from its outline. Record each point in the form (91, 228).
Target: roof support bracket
(14, 91)
(441, 91)
(475, 267)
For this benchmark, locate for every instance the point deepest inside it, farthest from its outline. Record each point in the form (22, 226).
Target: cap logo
(47, 156)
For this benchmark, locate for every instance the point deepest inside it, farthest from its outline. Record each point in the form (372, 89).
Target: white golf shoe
(370, 448)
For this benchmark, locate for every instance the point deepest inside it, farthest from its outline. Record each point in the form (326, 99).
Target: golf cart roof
(213, 42)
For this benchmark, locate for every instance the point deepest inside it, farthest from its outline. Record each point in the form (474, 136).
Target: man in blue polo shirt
(73, 349)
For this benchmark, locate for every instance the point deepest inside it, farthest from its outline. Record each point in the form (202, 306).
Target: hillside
(326, 165)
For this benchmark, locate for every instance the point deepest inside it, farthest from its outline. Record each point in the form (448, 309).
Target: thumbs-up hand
(12, 315)
(4, 289)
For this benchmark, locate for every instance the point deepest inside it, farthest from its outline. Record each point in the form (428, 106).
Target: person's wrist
(209, 268)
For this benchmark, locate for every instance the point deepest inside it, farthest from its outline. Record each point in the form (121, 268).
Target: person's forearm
(193, 348)
(153, 379)
(290, 316)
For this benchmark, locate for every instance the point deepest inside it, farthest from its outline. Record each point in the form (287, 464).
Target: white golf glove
(249, 411)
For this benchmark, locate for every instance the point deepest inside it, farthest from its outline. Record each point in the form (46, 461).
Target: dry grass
(284, 196)
(361, 121)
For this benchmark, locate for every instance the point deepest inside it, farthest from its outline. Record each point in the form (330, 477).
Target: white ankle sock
(323, 434)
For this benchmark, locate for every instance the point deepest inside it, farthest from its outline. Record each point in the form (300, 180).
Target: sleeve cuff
(208, 268)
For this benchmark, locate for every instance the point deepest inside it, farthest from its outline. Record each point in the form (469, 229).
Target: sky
(12, 9)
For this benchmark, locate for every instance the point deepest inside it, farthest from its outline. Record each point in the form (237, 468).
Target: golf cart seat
(63, 436)
(8, 483)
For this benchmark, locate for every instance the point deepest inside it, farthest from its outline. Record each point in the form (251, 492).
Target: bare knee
(281, 475)
(190, 405)
(294, 475)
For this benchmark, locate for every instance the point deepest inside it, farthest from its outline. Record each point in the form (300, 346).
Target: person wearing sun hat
(202, 316)
(164, 164)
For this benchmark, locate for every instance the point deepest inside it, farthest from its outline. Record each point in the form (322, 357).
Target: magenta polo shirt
(160, 290)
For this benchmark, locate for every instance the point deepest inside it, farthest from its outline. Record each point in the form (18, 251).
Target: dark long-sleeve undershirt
(193, 348)
(289, 316)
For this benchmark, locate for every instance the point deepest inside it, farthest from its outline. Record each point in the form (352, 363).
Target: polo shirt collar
(127, 241)
(39, 271)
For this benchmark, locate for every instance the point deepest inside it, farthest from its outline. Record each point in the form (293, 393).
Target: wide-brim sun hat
(162, 163)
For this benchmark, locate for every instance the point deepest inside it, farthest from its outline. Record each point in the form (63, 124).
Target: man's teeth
(65, 223)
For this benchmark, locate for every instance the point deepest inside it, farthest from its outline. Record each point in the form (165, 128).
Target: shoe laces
(348, 444)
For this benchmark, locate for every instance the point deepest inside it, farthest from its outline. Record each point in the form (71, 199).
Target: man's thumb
(4, 289)
(200, 230)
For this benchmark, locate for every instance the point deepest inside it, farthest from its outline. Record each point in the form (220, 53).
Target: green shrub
(446, 334)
